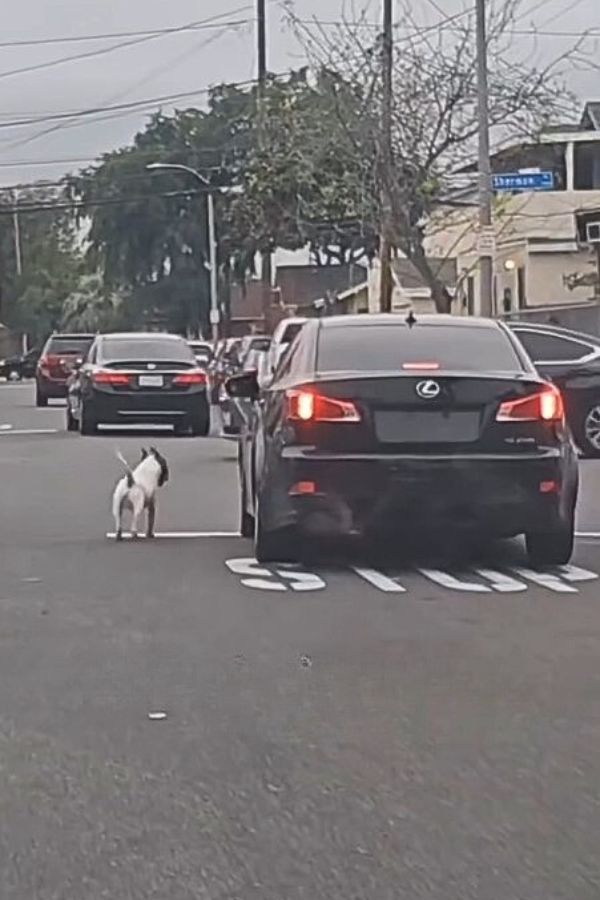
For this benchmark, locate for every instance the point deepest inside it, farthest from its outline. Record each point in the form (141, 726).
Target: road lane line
(16, 431)
(176, 535)
(546, 579)
(379, 580)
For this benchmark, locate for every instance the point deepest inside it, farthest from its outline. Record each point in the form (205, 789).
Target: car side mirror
(244, 386)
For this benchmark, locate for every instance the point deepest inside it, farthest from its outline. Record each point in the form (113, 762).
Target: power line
(82, 205)
(91, 54)
(113, 35)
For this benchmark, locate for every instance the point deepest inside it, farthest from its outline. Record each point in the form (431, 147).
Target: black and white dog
(137, 490)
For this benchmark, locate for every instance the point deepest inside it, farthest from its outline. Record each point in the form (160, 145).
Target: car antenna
(411, 319)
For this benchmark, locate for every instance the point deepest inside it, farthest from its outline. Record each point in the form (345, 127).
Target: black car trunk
(424, 413)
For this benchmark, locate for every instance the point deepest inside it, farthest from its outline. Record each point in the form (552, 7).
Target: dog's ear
(144, 453)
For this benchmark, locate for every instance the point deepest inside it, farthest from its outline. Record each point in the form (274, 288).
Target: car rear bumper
(344, 495)
(147, 409)
(53, 388)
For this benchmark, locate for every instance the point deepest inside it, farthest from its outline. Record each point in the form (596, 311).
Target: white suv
(283, 336)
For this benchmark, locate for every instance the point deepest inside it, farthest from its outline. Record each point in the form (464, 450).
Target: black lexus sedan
(572, 361)
(382, 424)
(141, 379)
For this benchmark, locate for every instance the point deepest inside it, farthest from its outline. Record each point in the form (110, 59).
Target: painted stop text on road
(509, 580)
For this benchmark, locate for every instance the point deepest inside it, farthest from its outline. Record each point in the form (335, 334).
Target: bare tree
(434, 122)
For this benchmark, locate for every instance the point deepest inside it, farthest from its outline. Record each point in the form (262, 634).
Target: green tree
(51, 261)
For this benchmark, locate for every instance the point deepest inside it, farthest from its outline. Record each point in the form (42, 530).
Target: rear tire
(200, 425)
(247, 523)
(588, 432)
(552, 547)
(89, 423)
(40, 398)
(272, 546)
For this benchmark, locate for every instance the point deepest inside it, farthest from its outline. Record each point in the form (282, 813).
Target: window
(141, 349)
(380, 347)
(546, 347)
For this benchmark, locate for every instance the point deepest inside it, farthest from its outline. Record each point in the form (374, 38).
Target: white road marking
(379, 580)
(302, 581)
(22, 431)
(445, 579)
(178, 535)
(546, 579)
(5, 427)
(261, 578)
(501, 582)
(575, 574)
(587, 534)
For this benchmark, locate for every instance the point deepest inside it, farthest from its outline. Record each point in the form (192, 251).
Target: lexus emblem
(428, 390)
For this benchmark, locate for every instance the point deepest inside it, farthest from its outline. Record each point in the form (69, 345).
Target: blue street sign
(514, 182)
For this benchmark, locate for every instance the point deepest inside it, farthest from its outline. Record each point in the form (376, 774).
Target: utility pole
(486, 240)
(387, 175)
(266, 272)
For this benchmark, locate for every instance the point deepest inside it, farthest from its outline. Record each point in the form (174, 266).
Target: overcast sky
(176, 63)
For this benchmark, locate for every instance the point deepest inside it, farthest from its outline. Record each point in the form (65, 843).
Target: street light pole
(212, 238)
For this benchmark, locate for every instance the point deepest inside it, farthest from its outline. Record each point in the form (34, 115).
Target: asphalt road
(341, 733)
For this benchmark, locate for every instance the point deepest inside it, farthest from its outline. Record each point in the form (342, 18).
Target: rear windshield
(142, 349)
(69, 345)
(389, 347)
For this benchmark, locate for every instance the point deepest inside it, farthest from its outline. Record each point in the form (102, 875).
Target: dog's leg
(151, 518)
(137, 502)
(118, 508)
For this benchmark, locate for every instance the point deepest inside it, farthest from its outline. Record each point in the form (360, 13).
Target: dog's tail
(128, 472)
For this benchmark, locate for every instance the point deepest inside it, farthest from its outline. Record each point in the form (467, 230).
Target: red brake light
(307, 406)
(195, 376)
(420, 366)
(104, 376)
(545, 406)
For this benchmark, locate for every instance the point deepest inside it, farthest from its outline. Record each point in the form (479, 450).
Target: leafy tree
(51, 261)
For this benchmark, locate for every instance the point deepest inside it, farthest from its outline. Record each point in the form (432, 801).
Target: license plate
(151, 381)
(426, 427)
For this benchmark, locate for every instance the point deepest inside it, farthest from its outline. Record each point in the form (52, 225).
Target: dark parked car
(374, 425)
(21, 365)
(61, 354)
(572, 361)
(144, 378)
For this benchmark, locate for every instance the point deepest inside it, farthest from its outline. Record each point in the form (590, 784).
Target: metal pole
(261, 34)
(385, 249)
(212, 253)
(485, 179)
(17, 236)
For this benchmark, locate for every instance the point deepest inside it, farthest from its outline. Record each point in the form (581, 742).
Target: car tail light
(420, 366)
(545, 406)
(307, 406)
(195, 376)
(104, 376)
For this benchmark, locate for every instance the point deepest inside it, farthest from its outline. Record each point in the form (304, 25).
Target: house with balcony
(547, 193)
